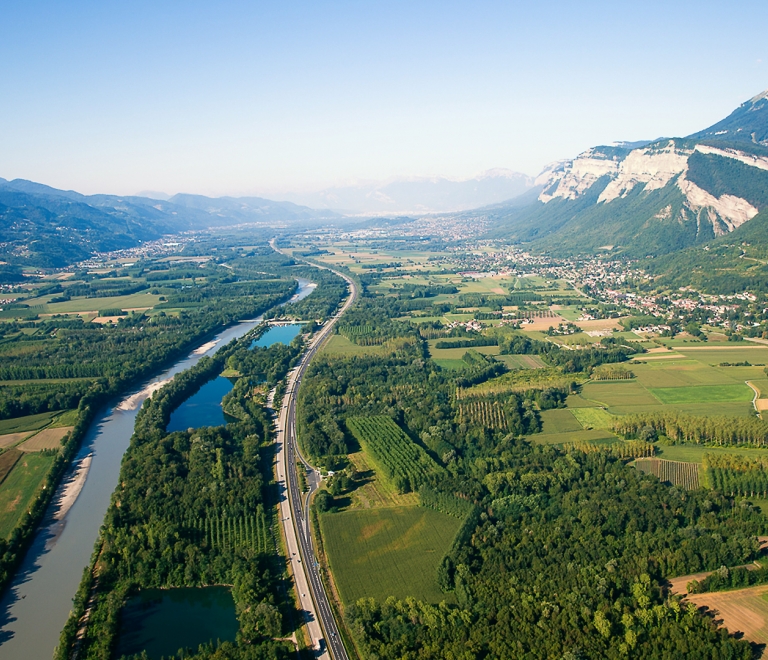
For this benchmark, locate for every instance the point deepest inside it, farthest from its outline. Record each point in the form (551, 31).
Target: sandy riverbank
(204, 348)
(72, 488)
(135, 400)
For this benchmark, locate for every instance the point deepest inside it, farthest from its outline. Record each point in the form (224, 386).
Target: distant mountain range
(419, 195)
(45, 227)
(648, 199)
(638, 199)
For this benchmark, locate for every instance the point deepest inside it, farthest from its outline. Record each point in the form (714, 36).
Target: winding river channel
(35, 608)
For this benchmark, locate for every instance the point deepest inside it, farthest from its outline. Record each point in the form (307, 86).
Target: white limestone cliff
(654, 167)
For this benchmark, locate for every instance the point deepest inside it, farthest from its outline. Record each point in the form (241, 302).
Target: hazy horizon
(263, 100)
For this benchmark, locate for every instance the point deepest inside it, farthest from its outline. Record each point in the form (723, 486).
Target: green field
(754, 354)
(703, 394)
(591, 435)
(19, 488)
(521, 361)
(623, 393)
(342, 347)
(452, 365)
(387, 552)
(689, 373)
(559, 420)
(692, 384)
(593, 418)
(29, 423)
(95, 304)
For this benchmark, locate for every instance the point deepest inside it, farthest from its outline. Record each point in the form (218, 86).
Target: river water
(35, 608)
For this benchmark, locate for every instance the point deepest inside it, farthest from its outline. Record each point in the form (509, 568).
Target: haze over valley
(340, 331)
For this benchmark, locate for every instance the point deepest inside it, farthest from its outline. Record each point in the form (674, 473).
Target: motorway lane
(294, 513)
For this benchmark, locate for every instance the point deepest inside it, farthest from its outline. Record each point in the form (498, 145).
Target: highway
(294, 509)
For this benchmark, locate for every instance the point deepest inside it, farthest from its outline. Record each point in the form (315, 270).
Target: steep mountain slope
(45, 227)
(649, 199)
(730, 264)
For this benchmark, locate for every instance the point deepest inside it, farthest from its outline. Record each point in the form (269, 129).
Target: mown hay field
(593, 418)
(522, 361)
(387, 552)
(340, 346)
(451, 365)
(11, 439)
(457, 353)
(46, 439)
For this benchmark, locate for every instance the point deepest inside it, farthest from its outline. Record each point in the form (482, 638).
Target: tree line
(681, 428)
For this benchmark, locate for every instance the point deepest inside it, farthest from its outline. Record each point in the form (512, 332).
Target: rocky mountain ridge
(695, 189)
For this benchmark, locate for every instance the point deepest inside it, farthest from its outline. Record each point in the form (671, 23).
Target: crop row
(251, 531)
(677, 473)
(488, 414)
(400, 460)
(445, 502)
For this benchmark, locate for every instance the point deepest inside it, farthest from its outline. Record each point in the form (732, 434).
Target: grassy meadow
(19, 488)
(384, 552)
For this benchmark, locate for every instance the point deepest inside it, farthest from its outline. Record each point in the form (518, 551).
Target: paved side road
(294, 509)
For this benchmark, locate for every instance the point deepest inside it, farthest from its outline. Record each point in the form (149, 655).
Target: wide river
(35, 608)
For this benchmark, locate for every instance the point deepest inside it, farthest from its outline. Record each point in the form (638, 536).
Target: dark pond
(203, 408)
(162, 621)
(278, 333)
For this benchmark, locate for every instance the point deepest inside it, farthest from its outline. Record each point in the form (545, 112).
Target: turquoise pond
(203, 408)
(162, 621)
(277, 333)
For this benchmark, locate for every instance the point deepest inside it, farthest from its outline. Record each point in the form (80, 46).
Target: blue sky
(263, 98)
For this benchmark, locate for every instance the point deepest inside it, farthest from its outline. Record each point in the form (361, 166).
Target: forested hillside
(731, 264)
(48, 228)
